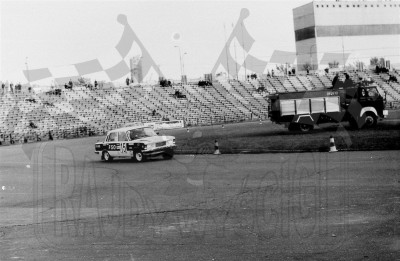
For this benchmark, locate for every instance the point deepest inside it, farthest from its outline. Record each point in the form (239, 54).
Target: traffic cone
(332, 145)
(216, 148)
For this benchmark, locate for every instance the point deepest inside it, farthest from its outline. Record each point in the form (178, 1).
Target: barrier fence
(30, 136)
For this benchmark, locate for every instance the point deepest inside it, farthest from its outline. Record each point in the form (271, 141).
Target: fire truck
(360, 104)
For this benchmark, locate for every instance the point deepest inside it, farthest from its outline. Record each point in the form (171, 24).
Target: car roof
(133, 126)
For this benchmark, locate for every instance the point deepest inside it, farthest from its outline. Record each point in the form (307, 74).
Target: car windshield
(141, 133)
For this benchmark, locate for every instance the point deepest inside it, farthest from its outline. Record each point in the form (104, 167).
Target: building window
(340, 5)
(354, 5)
(372, 5)
(333, 5)
(358, 5)
(377, 5)
(347, 5)
(366, 5)
(317, 5)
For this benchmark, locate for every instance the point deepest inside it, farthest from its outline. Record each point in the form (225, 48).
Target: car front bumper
(158, 151)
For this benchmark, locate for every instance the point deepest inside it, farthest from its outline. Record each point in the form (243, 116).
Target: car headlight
(150, 146)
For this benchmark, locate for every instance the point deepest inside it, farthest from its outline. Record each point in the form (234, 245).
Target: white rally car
(136, 142)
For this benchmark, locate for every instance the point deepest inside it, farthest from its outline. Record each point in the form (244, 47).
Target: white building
(350, 31)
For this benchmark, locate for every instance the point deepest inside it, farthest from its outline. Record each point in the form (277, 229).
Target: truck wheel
(369, 120)
(306, 127)
(293, 127)
(106, 156)
(138, 156)
(169, 154)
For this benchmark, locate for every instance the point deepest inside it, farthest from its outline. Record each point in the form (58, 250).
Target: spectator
(7, 86)
(364, 93)
(272, 73)
(95, 84)
(11, 88)
(32, 125)
(347, 81)
(70, 83)
(392, 78)
(335, 79)
(154, 113)
(127, 81)
(261, 89)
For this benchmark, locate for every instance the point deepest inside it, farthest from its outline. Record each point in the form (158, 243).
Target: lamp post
(183, 63)
(27, 70)
(180, 58)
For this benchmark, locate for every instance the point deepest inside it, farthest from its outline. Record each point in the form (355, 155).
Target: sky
(56, 34)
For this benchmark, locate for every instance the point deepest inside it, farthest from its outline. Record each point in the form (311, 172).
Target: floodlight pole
(27, 69)
(183, 63)
(180, 59)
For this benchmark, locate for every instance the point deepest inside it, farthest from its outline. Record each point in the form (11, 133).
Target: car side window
(113, 137)
(364, 93)
(122, 136)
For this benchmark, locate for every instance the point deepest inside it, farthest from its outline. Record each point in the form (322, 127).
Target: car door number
(123, 148)
(112, 147)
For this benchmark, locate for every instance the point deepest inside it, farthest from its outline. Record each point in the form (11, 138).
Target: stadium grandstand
(34, 115)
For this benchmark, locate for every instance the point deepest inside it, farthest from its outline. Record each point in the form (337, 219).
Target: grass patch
(253, 137)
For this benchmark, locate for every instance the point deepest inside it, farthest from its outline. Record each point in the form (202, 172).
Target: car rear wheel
(107, 156)
(138, 156)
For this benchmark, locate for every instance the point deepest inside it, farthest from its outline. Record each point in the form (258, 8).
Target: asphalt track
(65, 204)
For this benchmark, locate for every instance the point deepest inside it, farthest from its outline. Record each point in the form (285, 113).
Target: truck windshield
(141, 133)
(372, 92)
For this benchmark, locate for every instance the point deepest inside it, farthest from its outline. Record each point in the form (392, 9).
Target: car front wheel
(107, 156)
(138, 156)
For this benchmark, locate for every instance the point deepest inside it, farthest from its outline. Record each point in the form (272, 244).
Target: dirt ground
(63, 203)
